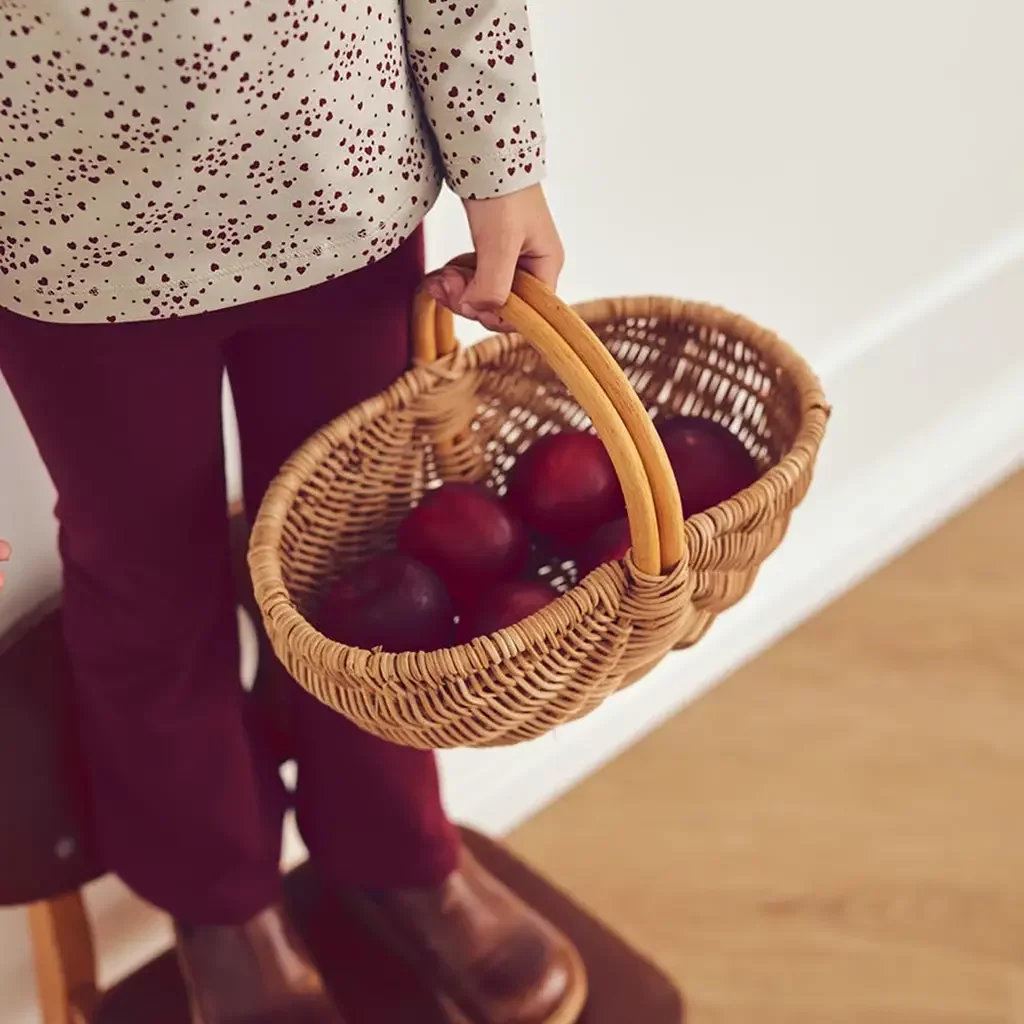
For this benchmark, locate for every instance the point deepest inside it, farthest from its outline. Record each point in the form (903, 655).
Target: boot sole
(568, 1013)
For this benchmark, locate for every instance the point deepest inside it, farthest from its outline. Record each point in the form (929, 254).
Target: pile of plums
(465, 564)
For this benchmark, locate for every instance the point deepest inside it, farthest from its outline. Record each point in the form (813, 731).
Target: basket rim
(815, 410)
(430, 669)
(277, 606)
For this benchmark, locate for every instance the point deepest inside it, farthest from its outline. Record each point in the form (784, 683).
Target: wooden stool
(372, 986)
(47, 856)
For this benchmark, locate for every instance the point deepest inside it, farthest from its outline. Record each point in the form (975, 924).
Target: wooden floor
(836, 834)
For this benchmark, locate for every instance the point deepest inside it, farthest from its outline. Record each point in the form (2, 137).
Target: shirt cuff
(499, 173)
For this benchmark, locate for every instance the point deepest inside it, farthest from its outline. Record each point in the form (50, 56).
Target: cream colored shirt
(166, 157)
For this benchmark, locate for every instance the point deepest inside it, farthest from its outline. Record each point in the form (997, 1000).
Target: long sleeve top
(163, 158)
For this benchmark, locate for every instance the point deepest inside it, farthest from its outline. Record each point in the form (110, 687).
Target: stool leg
(65, 959)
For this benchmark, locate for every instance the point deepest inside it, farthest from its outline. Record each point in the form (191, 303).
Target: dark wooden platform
(374, 987)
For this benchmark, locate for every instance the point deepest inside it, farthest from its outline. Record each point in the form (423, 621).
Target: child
(189, 187)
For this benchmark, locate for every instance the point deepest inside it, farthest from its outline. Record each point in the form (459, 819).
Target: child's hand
(512, 231)
(5, 553)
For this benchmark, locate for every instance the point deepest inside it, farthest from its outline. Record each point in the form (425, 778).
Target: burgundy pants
(128, 420)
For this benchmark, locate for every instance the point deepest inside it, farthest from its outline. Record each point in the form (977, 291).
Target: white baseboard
(929, 413)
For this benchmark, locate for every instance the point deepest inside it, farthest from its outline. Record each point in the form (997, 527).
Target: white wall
(842, 172)
(810, 163)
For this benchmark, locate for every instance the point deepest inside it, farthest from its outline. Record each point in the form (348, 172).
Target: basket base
(374, 987)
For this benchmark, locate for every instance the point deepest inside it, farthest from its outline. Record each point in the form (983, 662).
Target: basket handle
(587, 368)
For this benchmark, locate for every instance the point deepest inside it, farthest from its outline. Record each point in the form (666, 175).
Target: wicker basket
(467, 414)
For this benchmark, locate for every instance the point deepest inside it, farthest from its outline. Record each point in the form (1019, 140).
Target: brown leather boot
(477, 943)
(254, 973)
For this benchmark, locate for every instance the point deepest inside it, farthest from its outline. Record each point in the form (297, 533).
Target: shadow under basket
(614, 366)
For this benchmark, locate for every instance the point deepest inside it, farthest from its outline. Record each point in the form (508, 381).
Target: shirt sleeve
(473, 65)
